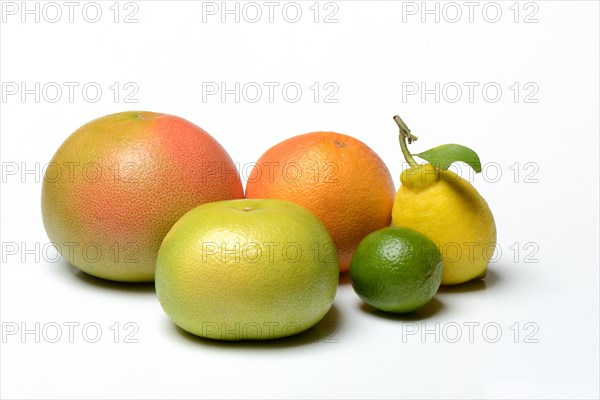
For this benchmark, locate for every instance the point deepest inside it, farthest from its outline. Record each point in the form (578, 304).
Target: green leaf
(443, 156)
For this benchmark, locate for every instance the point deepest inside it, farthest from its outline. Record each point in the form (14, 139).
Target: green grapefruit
(247, 270)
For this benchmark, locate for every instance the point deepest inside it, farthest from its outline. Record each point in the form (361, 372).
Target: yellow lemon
(447, 209)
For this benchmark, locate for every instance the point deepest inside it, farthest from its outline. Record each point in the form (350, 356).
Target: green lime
(396, 269)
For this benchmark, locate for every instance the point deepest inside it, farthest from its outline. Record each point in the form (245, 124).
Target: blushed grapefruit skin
(116, 186)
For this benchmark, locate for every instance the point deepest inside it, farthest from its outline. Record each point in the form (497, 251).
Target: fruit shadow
(344, 278)
(430, 309)
(323, 332)
(491, 280)
(104, 284)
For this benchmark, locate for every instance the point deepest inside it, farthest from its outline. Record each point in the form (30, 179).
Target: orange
(116, 186)
(335, 176)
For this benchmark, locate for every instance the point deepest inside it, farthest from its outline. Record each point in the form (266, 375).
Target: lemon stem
(405, 134)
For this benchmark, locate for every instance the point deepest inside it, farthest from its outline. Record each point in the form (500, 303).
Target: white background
(547, 214)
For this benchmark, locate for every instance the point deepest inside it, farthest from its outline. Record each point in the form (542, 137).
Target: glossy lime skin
(396, 269)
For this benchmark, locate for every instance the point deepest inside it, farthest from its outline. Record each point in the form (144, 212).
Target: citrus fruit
(337, 177)
(450, 211)
(247, 269)
(446, 208)
(117, 184)
(396, 269)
